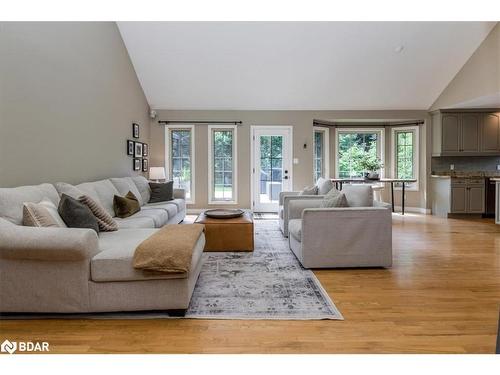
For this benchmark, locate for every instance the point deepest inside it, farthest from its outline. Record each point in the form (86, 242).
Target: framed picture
(138, 149)
(135, 130)
(145, 149)
(145, 165)
(130, 147)
(137, 164)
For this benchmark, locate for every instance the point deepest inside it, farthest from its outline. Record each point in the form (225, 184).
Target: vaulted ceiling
(298, 65)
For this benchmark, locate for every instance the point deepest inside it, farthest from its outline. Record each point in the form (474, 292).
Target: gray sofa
(70, 270)
(356, 236)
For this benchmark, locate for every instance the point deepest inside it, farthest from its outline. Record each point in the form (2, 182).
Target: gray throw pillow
(334, 198)
(309, 190)
(324, 186)
(76, 215)
(161, 192)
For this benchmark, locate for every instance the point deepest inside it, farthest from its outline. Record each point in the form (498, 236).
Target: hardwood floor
(441, 296)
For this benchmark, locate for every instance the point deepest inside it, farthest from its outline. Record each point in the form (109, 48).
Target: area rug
(268, 283)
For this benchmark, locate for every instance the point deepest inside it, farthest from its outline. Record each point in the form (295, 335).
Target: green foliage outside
(357, 154)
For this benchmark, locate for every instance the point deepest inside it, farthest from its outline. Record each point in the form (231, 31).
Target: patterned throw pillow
(104, 220)
(309, 190)
(126, 206)
(35, 215)
(334, 198)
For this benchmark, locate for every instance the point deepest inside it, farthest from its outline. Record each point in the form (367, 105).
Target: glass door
(271, 166)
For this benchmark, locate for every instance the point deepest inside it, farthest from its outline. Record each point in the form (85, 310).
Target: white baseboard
(419, 210)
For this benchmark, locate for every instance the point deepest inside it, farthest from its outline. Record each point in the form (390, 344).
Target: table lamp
(157, 173)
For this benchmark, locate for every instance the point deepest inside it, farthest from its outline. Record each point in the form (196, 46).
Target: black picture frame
(145, 165)
(138, 149)
(136, 164)
(130, 147)
(145, 149)
(135, 130)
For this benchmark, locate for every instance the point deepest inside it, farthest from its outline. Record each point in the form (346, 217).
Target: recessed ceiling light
(399, 49)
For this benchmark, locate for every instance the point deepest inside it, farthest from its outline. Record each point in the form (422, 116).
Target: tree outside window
(353, 149)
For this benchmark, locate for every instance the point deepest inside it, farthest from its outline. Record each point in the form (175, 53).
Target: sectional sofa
(72, 270)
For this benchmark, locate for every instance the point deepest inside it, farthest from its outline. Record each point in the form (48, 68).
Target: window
(355, 147)
(222, 164)
(405, 153)
(321, 153)
(180, 158)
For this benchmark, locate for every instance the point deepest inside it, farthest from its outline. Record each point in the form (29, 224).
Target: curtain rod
(166, 122)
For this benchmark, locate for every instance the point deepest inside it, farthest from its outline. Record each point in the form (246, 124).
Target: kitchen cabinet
(465, 132)
(457, 195)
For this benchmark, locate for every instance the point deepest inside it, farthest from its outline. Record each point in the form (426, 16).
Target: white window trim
(409, 187)
(168, 165)
(381, 132)
(211, 200)
(326, 139)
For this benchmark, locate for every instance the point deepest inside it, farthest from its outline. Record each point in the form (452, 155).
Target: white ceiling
(298, 65)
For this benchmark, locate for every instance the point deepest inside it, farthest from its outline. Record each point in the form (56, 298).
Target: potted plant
(371, 165)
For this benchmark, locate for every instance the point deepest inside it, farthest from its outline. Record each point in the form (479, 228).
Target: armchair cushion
(358, 195)
(309, 190)
(296, 207)
(334, 198)
(295, 229)
(324, 185)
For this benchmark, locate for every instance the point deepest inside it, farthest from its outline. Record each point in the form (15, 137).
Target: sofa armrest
(47, 244)
(297, 206)
(179, 194)
(284, 194)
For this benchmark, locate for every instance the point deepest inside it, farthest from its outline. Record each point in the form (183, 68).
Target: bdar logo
(8, 347)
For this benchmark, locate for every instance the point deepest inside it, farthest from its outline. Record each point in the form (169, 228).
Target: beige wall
(479, 77)
(302, 133)
(68, 97)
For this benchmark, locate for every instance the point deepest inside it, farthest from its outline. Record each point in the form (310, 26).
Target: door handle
(285, 177)
(286, 171)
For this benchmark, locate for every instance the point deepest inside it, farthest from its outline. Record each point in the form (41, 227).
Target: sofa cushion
(180, 203)
(13, 199)
(143, 186)
(74, 192)
(114, 262)
(75, 214)
(324, 186)
(295, 228)
(126, 184)
(104, 190)
(135, 222)
(169, 207)
(159, 216)
(126, 206)
(358, 195)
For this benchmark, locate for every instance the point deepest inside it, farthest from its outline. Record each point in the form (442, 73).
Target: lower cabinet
(467, 198)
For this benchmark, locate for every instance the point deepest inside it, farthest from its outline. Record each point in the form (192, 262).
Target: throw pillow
(309, 190)
(104, 220)
(334, 198)
(161, 192)
(324, 186)
(76, 215)
(51, 207)
(35, 215)
(126, 206)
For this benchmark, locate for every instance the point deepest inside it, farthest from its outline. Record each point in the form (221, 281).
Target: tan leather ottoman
(228, 234)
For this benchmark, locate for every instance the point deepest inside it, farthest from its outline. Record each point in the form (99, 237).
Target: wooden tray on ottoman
(235, 234)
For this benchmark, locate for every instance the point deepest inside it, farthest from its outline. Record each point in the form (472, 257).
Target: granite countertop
(468, 174)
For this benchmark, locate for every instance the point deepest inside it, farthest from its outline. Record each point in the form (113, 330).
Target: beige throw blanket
(170, 250)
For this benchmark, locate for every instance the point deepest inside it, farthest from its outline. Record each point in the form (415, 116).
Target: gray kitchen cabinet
(475, 199)
(466, 132)
(458, 199)
(490, 132)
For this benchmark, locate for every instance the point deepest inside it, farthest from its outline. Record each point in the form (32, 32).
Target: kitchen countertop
(470, 174)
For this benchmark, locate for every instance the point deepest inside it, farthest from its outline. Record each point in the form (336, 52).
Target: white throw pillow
(51, 207)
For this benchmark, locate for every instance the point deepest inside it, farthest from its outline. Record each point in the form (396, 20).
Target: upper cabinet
(465, 133)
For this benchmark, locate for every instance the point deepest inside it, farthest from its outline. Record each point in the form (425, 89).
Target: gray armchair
(340, 237)
(285, 198)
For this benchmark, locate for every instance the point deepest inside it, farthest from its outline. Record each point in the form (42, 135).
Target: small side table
(403, 182)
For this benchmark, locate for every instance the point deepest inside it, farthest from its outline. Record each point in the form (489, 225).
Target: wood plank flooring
(441, 296)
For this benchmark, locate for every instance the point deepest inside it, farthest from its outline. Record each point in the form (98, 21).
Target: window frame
(381, 145)
(416, 155)
(211, 198)
(326, 151)
(168, 157)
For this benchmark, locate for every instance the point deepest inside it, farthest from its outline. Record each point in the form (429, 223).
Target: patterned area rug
(269, 283)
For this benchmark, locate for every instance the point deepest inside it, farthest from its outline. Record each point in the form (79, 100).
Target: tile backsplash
(465, 163)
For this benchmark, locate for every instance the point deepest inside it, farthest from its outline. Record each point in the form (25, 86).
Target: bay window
(321, 154)
(404, 142)
(180, 158)
(222, 164)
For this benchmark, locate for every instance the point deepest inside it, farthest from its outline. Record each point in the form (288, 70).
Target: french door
(271, 166)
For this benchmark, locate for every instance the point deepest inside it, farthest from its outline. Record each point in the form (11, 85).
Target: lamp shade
(157, 173)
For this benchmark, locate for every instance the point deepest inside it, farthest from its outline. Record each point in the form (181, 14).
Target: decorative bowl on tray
(224, 213)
